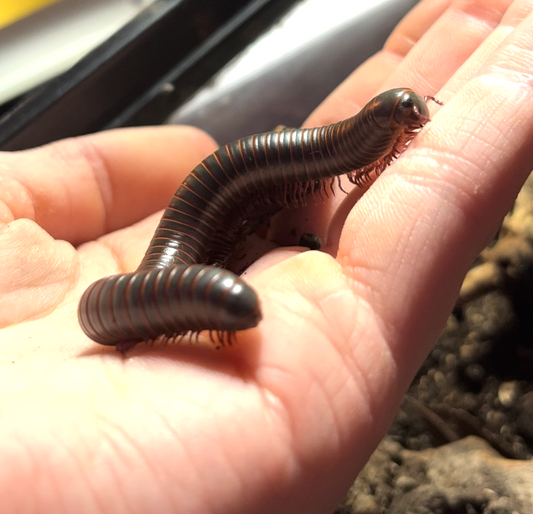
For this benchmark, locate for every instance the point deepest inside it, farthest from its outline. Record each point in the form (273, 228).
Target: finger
(346, 100)
(363, 83)
(437, 56)
(410, 240)
(339, 217)
(81, 188)
(516, 13)
(427, 67)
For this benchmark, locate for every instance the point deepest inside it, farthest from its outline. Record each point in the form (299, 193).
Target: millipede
(181, 286)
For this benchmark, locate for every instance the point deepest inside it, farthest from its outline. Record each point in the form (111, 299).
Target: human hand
(283, 420)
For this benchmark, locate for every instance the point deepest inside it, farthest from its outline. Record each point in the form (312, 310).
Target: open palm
(284, 419)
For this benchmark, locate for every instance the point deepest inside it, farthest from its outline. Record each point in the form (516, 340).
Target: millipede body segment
(180, 285)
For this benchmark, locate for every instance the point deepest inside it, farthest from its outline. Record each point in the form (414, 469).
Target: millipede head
(400, 107)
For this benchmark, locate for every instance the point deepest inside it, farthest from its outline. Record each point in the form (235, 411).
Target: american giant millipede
(179, 286)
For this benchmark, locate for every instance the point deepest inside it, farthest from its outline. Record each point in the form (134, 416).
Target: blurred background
(70, 67)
